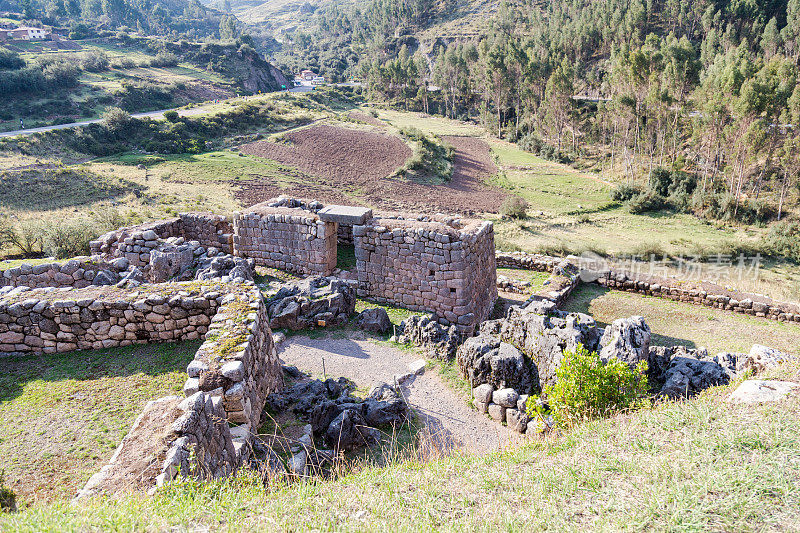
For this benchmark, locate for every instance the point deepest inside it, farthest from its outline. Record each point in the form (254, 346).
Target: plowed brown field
(349, 165)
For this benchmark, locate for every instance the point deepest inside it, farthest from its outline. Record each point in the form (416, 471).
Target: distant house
(27, 33)
(318, 80)
(307, 75)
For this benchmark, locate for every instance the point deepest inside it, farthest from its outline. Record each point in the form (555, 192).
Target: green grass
(535, 278)
(345, 256)
(687, 466)
(62, 415)
(48, 189)
(217, 166)
(678, 323)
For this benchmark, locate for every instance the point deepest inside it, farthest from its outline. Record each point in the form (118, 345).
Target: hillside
(134, 74)
(166, 17)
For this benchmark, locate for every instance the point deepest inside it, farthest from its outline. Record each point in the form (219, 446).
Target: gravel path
(445, 414)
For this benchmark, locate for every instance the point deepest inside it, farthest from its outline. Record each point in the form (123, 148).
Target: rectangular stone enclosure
(444, 267)
(288, 239)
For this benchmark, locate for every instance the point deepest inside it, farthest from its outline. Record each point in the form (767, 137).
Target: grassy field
(686, 466)
(62, 415)
(678, 323)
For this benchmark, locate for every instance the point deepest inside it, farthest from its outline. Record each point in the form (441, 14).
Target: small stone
(417, 367)
(505, 397)
(483, 393)
(498, 412)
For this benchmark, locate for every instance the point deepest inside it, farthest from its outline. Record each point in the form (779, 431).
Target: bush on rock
(588, 388)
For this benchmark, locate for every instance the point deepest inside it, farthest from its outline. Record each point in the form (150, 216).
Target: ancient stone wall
(239, 356)
(229, 379)
(443, 267)
(78, 272)
(774, 311)
(208, 229)
(47, 321)
(677, 290)
(135, 242)
(289, 239)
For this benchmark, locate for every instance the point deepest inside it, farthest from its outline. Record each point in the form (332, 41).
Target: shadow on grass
(581, 299)
(149, 359)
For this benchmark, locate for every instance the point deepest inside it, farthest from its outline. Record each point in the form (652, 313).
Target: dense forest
(692, 103)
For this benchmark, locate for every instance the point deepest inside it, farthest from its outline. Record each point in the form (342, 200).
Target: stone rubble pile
(518, 356)
(312, 302)
(337, 420)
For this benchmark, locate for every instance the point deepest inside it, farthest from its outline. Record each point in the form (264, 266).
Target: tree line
(708, 88)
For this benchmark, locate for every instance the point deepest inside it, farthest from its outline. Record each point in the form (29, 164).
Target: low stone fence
(51, 321)
(774, 311)
(538, 262)
(285, 238)
(443, 267)
(78, 272)
(677, 290)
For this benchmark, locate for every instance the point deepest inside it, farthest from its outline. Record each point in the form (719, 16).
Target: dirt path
(444, 413)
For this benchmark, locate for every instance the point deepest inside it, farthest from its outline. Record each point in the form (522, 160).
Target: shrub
(171, 116)
(8, 500)
(94, 61)
(514, 207)
(783, 239)
(28, 237)
(587, 388)
(648, 249)
(164, 59)
(647, 201)
(10, 60)
(116, 119)
(68, 239)
(624, 192)
(6, 232)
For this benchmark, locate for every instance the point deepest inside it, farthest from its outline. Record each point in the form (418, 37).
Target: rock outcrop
(312, 302)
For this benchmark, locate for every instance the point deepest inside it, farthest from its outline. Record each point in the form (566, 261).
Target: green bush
(28, 237)
(587, 388)
(783, 239)
(6, 232)
(8, 500)
(624, 192)
(647, 202)
(94, 61)
(10, 60)
(514, 207)
(68, 238)
(171, 116)
(116, 119)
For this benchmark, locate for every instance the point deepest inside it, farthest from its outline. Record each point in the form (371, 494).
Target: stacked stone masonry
(229, 379)
(78, 272)
(784, 312)
(445, 268)
(288, 239)
(58, 320)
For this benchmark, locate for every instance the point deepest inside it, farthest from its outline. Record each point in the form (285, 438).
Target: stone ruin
(190, 277)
